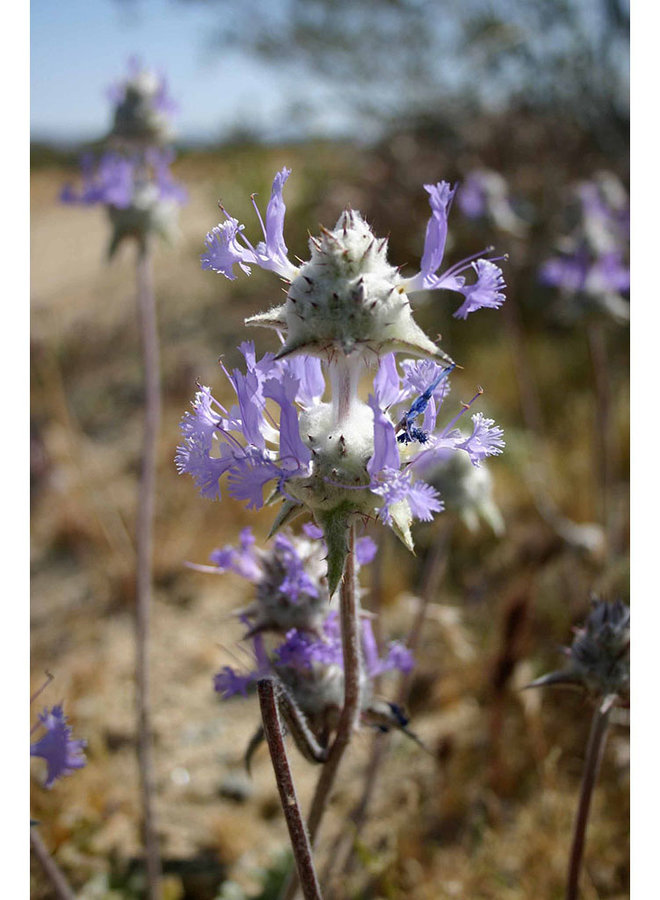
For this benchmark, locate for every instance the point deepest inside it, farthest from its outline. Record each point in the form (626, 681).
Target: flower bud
(599, 658)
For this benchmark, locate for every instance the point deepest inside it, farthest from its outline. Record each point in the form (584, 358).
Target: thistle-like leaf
(288, 511)
(335, 524)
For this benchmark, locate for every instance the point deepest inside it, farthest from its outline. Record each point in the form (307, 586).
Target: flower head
(311, 669)
(599, 657)
(364, 464)
(143, 107)
(590, 269)
(63, 755)
(347, 299)
(138, 191)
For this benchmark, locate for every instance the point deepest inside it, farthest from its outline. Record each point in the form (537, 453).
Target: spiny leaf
(335, 524)
(288, 511)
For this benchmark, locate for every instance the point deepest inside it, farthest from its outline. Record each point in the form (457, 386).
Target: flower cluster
(346, 310)
(366, 464)
(599, 657)
(312, 661)
(347, 298)
(142, 107)
(591, 269)
(290, 579)
(63, 754)
(132, 178)
(295, 633)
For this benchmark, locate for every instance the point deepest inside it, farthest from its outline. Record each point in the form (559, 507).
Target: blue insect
(409, 431)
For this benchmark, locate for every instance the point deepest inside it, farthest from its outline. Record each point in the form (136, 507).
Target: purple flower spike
(63, 755)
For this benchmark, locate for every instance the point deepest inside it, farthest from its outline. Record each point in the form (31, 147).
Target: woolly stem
(52, 871)
(340, 858)
(144, 541)
(595, 747)
(350, 634)
(344, 375)
(302, 851)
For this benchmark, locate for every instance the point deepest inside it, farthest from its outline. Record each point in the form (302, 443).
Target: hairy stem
(595, 747)
(344, 375)
(302, 851)
(350, 634)
(342, 854)
(52, 871)
(144, 541)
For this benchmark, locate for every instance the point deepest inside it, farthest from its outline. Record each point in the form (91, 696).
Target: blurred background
(365, 101)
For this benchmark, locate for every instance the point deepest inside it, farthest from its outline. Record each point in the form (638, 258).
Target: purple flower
(590, 269)
(485, 292)
(116, 180)
(223, 250)
(296, 580)
(472, 196)
(303, 652)
(396, 486)
(391, 474)
(108, 181)
(63, 755)
(365, 550)
(242, 560)
(229, 683)
(485, 195)
(227, 245)
(485, 440)
(246, 444)
(386, 451)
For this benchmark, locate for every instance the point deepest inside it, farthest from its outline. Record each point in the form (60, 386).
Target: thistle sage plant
(132, 180)
(293, 626)
(590, 268)
(333, 453)
(591, 274)
(598, 663)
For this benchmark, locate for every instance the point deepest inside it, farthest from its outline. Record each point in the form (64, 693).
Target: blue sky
(79, 47)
